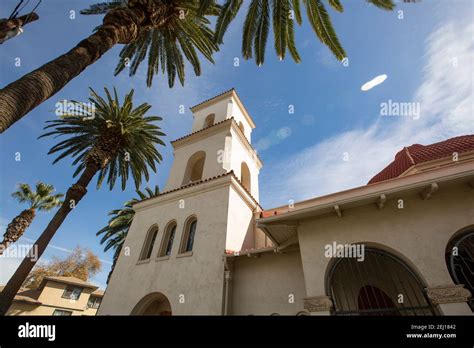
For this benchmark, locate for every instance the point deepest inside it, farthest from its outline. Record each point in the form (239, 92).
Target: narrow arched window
(194, 168)
(245, 176)
(209, 121)
(168, 238)
(149, 242)
(188, 236)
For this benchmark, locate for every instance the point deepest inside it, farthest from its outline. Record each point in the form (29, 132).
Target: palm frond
(322, 26)
(103, 7)
(388, 5)
(42, 198)
(130, 134)
(336, 4)
(261, 35)
(183, 34)
(280, 25)
(228, 12)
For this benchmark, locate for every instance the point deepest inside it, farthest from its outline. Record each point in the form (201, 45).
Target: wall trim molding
(448, 294)
(317, 303)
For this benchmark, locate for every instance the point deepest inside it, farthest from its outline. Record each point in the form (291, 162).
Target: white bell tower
(178, 239)
(220, 142)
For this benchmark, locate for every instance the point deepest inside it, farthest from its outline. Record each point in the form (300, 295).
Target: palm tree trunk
(10, 24)
(21, 96)
(73, 196)
(16, 228)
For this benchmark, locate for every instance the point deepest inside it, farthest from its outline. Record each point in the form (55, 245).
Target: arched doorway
(460, 260)
(381, 284)
(153, 304)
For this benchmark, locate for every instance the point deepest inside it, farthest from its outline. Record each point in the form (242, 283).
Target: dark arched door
(381, 284)
(372, 298)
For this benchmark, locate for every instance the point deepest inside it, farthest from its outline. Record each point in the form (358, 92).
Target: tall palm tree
(283, 13)
(42, 199)
(118, 141)
(167, 29)
(116, 231)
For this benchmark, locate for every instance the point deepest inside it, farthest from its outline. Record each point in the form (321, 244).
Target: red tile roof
(203, 129)
(416, 154)
(230, 119)
(194, 183)
(408, 157)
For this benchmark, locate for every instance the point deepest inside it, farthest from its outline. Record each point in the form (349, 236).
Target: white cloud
(373, 83)
(445, 96)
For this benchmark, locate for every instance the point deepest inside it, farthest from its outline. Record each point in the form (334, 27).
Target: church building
(401, 245)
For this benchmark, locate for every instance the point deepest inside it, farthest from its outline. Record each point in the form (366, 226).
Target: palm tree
(42, 199)
(156, 27)
(166, 29)
(13, 26)
(283, 13)
(118, 141)
(160, 40)
(115, 232)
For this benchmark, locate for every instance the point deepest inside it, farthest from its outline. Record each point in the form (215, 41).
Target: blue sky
(336, 138)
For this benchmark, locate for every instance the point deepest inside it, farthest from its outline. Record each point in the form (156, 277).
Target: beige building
(401, 245)
(58, 296)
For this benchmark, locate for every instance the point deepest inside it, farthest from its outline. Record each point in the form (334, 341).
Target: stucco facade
(228, 256)
(52, 298)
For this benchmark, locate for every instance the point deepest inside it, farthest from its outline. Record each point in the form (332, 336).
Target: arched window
(168, 238)
(188, 235)
(209, 121)
(194, 168)
(149, 242)
(241, 126)
(245, 176)
(460, 260)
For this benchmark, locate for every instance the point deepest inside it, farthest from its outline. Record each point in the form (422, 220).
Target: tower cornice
(230, 93)
(215, 129)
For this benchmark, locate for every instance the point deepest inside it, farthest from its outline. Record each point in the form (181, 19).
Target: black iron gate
(460, 261)
(381, 284)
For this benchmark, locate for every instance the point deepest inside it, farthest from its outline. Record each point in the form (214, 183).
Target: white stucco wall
(199, 278)
(240, 226)
(241, 153)
(212, 167)
(223, 109)
(215, 164)
(268, 284)
(418, 233)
